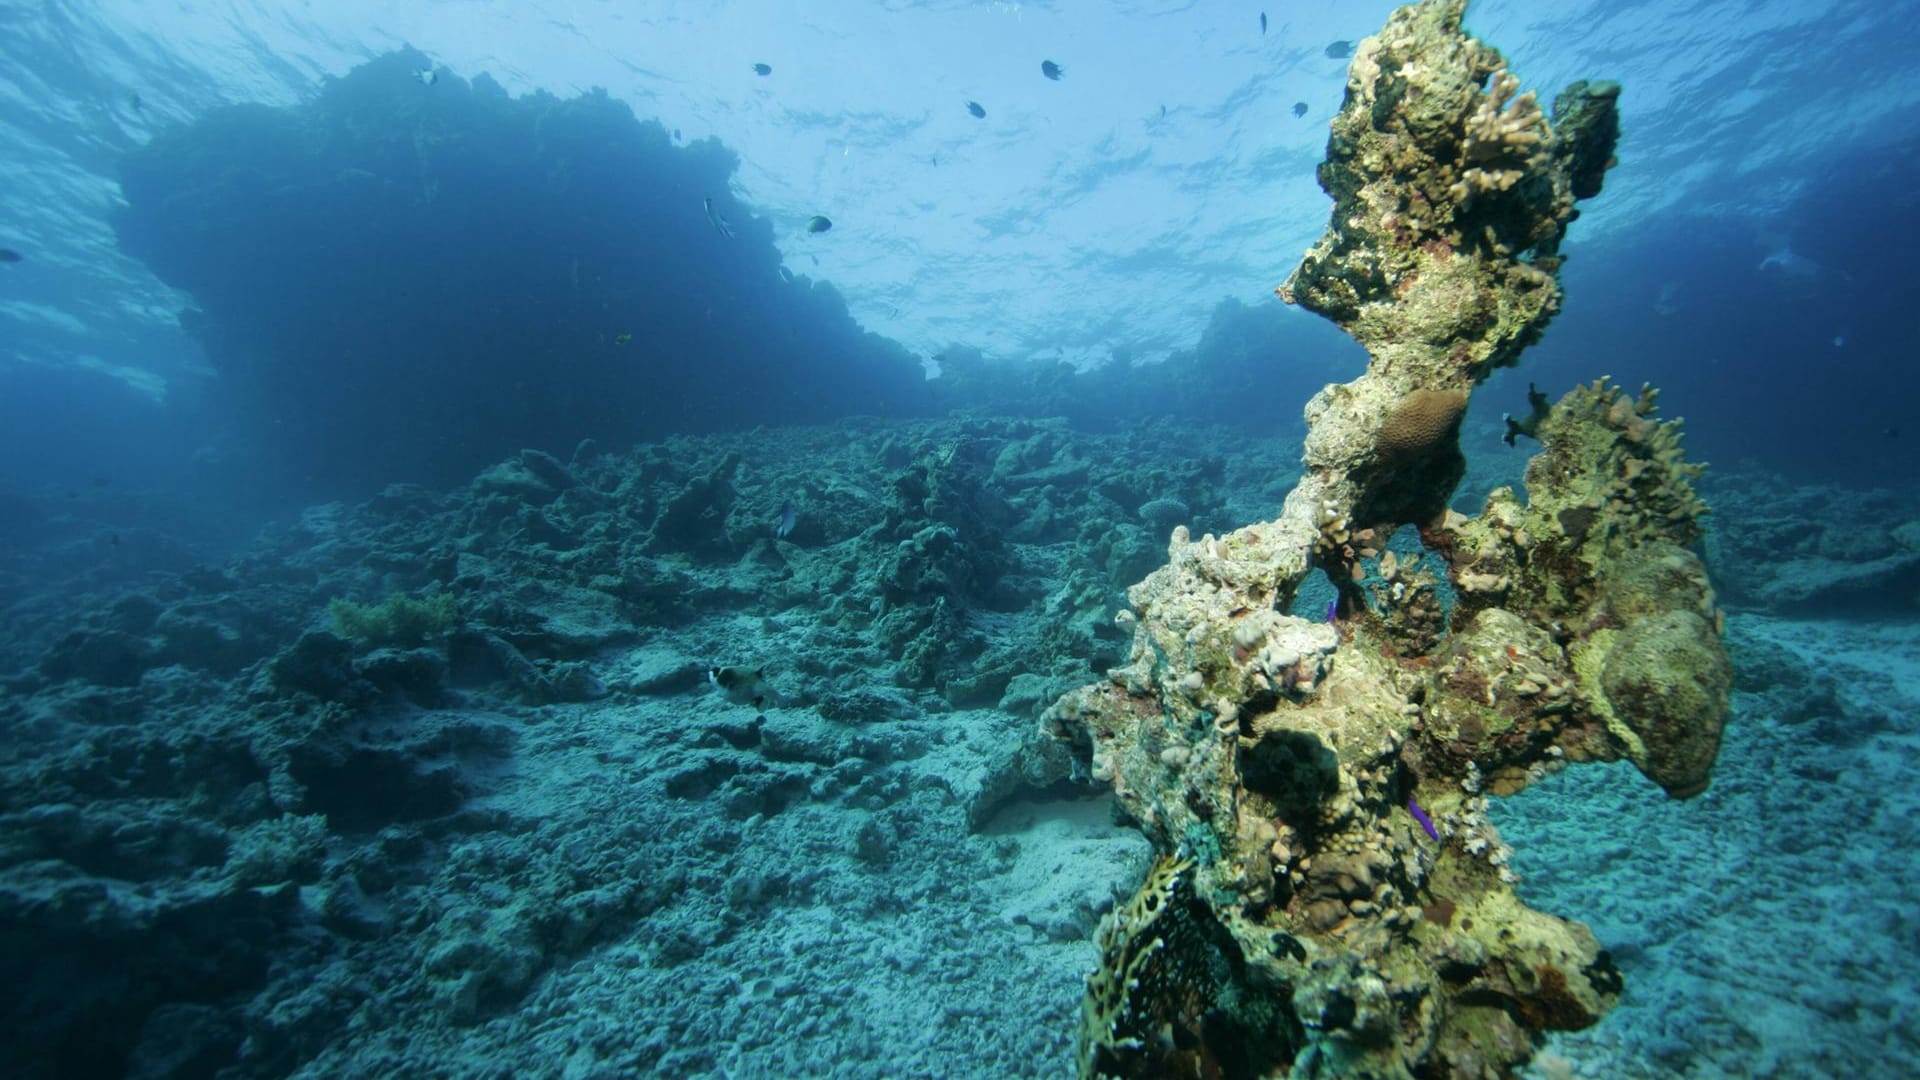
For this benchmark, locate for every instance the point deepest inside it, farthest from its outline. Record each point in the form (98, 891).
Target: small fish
(719, 222)
(741, 686)
(9, 255)
(763, 69)
(783, 525)
(786, 275)
(622, 339)
(427, 76)
(676, 134)
(1537, 410)
(1420, 816)
(1263, 24)
(1299, 108)
(1333, 610)
(979, 112)
(818, 224)
(1340, 50)
(133, 100)
(1052, 70)
(1839, 341)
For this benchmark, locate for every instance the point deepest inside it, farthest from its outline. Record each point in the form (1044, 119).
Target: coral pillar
(1332, 899)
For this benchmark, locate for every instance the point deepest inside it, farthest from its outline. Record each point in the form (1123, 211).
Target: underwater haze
(603, 539)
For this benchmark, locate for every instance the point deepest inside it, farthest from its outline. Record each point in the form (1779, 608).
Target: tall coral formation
(1333, 900)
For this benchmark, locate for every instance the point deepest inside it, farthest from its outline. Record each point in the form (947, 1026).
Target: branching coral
(1318, 789)
(1506, 137)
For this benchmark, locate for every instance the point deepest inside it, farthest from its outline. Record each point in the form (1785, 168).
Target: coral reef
(1321, 785)
(252, 848)
(400, 296)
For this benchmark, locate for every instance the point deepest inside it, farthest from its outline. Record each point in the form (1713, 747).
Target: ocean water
(540, 539)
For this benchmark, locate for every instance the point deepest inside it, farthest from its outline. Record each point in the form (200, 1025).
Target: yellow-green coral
(1600, 552)
(400, 620)
(1610, 499)
(1617, 475)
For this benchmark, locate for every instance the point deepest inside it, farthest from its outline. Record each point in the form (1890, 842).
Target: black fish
(1263, 24)
(763, 69)
(818, 224)
(1052, 70)
(1299, 108)
(978, 112)
(1340, 50)
(9, 255)
(742, 687)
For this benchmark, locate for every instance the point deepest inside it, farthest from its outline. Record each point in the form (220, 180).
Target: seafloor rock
(1808, 550)
(122, 950)
(467, 739)
(106, 658)
(319, 664)
(1331, 899)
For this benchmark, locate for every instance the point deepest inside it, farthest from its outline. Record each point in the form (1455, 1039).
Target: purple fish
(788, 516)
(1333, 610)
(1420, 816)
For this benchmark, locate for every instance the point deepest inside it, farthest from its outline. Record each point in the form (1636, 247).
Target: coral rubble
(251, 812)
(1334, 900)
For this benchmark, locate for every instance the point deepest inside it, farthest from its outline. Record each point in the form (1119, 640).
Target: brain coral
(1421, 421)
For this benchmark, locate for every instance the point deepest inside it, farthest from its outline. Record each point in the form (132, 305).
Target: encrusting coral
(1332, 900)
